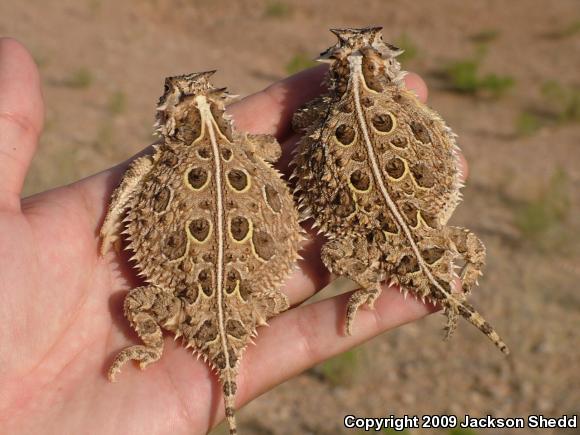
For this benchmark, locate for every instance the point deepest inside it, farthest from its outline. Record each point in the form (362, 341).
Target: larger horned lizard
(213, 230)
(379, 173)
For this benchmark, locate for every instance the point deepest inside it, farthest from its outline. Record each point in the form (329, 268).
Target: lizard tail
(472, 316)
(229, 388)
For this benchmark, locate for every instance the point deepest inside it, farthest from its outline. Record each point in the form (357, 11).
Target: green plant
(277, 9)
(299, 62)
(79, 79)
(540, 219)
(528, 123)
(463, 76)
(117, 103)
(565, 101)
(565, 32)
(485, 36)
(561, 105)
(406, 43)
(342, 369)
(496, 84)
(95, 6)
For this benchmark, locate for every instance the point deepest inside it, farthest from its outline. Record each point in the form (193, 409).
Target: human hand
(61, 304)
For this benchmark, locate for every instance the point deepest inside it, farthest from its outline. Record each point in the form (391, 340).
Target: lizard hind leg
(452, 320)
(450, 306)
(354, 259)
(472, 250)
(360, 297)
(146, 308)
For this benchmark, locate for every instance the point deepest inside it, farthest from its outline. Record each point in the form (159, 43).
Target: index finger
(270, 111)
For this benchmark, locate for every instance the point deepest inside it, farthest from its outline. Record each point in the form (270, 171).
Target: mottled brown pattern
(162, 199)
(199, 229)
(188, 211)
(197, 177)
(360, 180)
(383, 122)
(240, 226)
(399, 141)
(385, 199)
(273, 198)
(205, 280)
(395, 167)
(264, 244)
(420, 132)
(238, 179)
(345, 134)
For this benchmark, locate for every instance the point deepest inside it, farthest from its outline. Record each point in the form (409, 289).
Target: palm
(67, 328)
(61, 303)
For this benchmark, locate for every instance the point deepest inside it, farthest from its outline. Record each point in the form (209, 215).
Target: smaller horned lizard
(379, 173)
(213, 230)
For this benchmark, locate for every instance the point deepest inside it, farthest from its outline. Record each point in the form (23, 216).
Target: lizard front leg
(121, 199)
(264, 146)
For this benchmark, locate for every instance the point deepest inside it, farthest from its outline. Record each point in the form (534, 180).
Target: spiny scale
(378, 171)
(213, 231)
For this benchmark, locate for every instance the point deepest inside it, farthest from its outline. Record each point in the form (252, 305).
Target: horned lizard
(213, 230)
(379, 173)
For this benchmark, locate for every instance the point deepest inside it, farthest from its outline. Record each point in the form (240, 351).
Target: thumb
(21, 118)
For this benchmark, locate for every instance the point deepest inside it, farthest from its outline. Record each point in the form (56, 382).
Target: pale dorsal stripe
(207, 118)
(356, 76)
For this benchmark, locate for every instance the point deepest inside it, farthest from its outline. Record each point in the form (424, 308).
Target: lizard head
(364, 47)
(181, 95)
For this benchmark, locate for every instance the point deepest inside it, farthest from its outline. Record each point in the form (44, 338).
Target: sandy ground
(103, 63)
